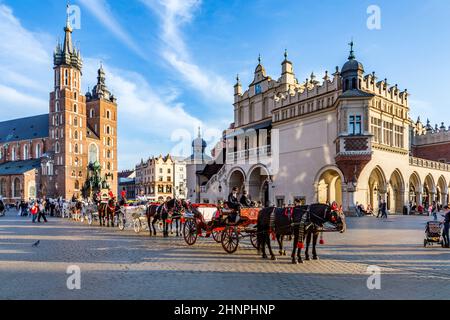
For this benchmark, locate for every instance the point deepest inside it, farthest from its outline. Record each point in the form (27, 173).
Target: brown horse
(106, 212)
(167, 212)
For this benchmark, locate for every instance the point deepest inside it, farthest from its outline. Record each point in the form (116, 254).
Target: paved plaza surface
(123, 265)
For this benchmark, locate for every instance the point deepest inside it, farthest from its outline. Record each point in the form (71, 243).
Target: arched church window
(353, 83)
(57, 106)
(77, 185)
(66, 77)
(25, 152)
(57, 149)
(75, 121)
(75, 135)
(16, 188)
(76, 148)
(38, 151)
(75, 108)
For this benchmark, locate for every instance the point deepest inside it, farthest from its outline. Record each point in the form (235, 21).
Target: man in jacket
(233, 201)
(245, 200)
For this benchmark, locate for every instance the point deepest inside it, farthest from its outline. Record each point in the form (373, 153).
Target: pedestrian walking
(434, 211)
(384, 213)
(34, 212)
(41, 213)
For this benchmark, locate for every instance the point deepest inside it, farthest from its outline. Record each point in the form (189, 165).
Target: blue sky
(172, 64)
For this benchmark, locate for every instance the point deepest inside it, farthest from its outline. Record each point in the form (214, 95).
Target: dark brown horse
(302, 222)
(167, 212)
(106, 212)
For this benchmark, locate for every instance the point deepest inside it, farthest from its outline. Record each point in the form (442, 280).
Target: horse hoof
(300, 261)
(307, 259)
(281, 253)
(294, 261)
(273, 258)
(265, 256)
(284, 253)
(315, 258)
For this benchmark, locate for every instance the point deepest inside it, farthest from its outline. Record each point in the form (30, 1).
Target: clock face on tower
(258, 89)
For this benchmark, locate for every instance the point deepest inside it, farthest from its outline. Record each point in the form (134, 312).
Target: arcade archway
(377, 188)
(329, 187)
(258, 185)
(396, 192)
(237, 179)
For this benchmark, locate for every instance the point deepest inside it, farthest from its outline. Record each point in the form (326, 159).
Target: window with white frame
(355, 125)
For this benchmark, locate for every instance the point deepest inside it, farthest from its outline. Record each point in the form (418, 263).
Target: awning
(241, 131)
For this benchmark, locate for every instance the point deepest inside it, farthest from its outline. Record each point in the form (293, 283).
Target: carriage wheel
(254, 240)
(230, 240)
(217, 236)
(137, 225)
(190, 232)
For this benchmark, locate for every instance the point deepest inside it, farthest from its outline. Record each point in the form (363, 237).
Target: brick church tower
(82, 129)
(67, 120)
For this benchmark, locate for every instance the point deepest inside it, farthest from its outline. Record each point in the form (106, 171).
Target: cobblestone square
(123, 265)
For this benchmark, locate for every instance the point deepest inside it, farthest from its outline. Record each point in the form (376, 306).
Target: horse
(301, 222)
(106, 213)
(166, 212)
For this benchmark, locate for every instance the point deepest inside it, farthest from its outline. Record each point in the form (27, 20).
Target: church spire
(65, 53)
(68, 45)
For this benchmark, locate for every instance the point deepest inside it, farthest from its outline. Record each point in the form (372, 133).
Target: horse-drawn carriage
(224, 225)
(133, 217)
(205, 217)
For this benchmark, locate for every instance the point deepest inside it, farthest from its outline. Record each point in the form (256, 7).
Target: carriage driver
(233, 200)
(234, 204)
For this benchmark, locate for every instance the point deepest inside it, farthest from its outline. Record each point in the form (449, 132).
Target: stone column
(419, 198)
(351, 190)
(444, 200)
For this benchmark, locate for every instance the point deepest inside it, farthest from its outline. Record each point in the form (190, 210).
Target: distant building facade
(127, 182)
(161, 177)
(48, 155)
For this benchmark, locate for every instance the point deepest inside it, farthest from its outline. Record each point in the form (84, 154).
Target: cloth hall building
(348, 138)
(48, 155)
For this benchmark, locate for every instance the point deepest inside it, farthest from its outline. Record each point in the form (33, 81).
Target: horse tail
(260, 230)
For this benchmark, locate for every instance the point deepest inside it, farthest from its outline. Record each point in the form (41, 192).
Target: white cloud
(174, 14)
(102, 11)
(149, 123)
(25, 68)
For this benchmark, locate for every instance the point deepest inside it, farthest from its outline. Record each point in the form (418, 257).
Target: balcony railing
(249, 154)
(429, 164)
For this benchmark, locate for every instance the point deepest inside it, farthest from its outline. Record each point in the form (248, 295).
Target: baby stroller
(433, 234)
